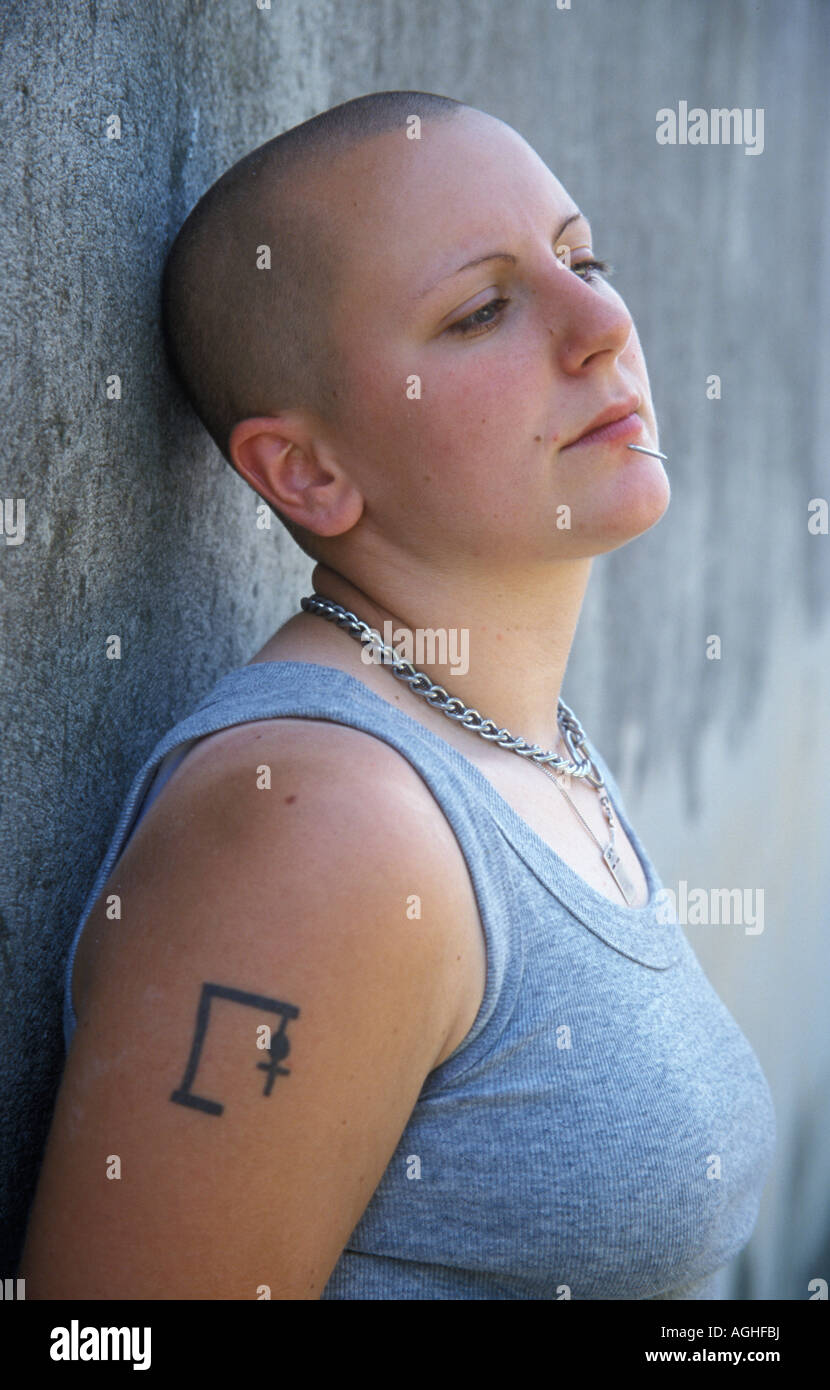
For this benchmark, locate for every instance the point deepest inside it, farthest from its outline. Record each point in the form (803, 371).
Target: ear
(290, 466)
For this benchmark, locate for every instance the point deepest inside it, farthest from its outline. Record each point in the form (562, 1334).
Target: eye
(594, 270)
(473, 322)
(587, 270)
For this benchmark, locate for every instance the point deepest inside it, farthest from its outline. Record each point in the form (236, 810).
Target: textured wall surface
(135, 526)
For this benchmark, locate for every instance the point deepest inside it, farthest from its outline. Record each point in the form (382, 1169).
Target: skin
(441, 512)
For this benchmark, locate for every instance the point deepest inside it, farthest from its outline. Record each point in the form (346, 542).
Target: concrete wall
(135, 526)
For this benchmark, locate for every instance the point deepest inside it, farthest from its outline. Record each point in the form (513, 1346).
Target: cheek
(459, 433)
(454, 398)
(481, 402)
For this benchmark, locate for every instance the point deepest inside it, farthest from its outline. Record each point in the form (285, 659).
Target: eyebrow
(494, 256)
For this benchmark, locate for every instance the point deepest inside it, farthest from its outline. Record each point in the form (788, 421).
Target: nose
(585, 320)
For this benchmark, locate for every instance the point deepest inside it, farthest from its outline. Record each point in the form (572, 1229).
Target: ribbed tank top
(604, 1130)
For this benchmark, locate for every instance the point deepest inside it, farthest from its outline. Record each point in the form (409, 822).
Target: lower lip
(627, 428)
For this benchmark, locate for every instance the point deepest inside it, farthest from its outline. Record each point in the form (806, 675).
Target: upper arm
(295, 896)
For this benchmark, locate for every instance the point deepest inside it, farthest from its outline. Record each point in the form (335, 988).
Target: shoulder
(285, 822)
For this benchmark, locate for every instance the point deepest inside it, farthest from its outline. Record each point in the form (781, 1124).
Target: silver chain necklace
(579, 764)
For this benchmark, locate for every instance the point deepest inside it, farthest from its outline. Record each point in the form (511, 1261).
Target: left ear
(291, 467)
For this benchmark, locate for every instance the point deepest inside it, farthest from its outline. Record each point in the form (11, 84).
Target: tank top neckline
(634, 931)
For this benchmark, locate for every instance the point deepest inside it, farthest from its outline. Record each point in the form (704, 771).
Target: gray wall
(135, 525)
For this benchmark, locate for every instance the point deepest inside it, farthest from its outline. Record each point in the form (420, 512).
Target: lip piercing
(655, 453)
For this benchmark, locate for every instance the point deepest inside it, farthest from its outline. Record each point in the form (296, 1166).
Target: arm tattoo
(279, 1049)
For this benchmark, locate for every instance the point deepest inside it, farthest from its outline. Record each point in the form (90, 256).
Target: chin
(634, 504)
(640, 501)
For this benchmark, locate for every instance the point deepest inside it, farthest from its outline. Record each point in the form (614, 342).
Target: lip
(616, 422)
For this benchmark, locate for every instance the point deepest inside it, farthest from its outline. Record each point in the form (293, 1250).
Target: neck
(500, 644)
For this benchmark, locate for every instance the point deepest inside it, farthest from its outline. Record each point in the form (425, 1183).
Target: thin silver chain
(607, 809)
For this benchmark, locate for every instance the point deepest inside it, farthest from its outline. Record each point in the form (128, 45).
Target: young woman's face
(467, 387)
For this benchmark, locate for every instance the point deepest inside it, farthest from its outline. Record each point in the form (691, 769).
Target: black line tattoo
(279, 1049)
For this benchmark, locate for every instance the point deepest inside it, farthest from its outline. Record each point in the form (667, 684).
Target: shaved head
(246, 340)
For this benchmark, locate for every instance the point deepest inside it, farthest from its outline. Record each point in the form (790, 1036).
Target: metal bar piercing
(655, 453)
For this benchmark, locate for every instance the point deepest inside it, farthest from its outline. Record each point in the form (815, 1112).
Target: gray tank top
(604, 1130)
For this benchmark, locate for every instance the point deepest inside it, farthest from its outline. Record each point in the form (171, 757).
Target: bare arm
(242, 909)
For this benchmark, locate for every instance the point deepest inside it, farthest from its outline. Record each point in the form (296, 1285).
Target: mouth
(618, 422)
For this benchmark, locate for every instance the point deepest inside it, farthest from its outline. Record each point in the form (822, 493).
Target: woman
(366, 1007)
